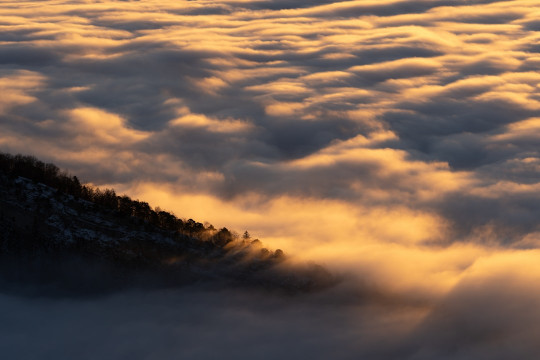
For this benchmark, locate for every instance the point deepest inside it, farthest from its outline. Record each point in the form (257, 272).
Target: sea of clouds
(396, 142)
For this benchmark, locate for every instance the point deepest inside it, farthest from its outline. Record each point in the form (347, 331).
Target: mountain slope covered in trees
(61, 235)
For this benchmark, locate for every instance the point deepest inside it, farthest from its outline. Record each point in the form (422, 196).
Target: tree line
(49, 174)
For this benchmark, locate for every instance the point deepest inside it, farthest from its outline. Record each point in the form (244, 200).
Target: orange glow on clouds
(396, 141)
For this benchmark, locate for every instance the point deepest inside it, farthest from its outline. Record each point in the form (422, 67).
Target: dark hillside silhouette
(55, 229)
(49, 174)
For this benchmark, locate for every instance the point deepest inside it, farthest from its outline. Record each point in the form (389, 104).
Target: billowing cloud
(394, 140)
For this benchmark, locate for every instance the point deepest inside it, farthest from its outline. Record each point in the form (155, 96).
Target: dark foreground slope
(59, 236)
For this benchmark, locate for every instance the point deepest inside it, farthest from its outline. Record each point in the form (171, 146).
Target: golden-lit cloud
(17, 89)
(100, 126)
(395, 140)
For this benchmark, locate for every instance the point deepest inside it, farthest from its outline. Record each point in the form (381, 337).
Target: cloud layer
(397, 140)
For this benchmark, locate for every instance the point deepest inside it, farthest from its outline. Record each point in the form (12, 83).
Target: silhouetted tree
(49, 174)
(222, 237)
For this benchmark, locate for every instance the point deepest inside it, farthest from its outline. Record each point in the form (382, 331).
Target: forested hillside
(63, 235)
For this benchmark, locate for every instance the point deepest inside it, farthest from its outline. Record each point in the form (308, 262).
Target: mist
(489, 315)
(194, 324)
